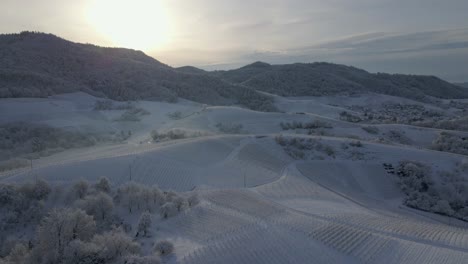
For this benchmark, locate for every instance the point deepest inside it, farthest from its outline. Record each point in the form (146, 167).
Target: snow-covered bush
(12, 164)
(398, 137)
(79, 252)
(116, 245)
(309, 125)
(132, 115)
(164, 247)
(346, 116)
(229, 128)
(448, 195)
(304, 148)
(356, 144)
(193, 200)
(414, 176)
(175, 115)
(175, 134)
(451, 143)
(144, 224)
(19, 254)
(167, 210)
(371, 129)
(25, 140)
(134, 259)
(180, 203)
(443, 207)
(103, 105)
(110, 105)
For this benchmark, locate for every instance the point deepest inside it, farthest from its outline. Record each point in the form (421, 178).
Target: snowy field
(259, 204)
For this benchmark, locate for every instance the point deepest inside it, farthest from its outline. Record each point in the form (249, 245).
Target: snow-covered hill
(297, 186)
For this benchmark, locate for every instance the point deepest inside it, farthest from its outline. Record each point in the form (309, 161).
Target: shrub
(116, 245)
(164, 247)
(144, 224)
(310, 125)
(171, 135)
(103, 105)
(175, 115)
(193, 200)
(297, 147)
(132, 115)
(134, 259)
(229, 128)
(451, 143)
(346, 116)
(356, 144)
(371, 129)
(14, 164)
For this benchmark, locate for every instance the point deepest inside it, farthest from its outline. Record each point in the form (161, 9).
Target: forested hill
(38, 65)
(315, 79)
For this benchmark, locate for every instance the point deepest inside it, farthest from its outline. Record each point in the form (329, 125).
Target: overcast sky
(404, 36)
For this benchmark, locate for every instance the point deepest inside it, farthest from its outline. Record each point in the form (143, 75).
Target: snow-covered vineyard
(302, 186)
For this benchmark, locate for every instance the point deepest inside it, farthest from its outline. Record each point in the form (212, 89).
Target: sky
(397, 36)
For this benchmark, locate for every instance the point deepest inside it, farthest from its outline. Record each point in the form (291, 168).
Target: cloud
(442, 53)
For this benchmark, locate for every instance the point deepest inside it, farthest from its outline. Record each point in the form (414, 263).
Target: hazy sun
(137, 24)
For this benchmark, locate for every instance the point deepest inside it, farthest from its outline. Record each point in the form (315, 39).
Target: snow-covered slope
(259, 204)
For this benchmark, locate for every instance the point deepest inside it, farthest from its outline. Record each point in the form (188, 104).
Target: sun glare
(137, 24)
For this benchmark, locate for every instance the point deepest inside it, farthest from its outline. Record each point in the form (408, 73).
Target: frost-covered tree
(180, 203)
(167, 210)
(128, 195)
(79, 252)
(116, 245)
(8, 195)
(19, 254)
(146, 199)
(443, 207)
(193, 200)
(103, 185)
(80, 188)
(170, 196)
(99, 205)
(39, 190)
(164, 248)
(157, 195)
(144, 224)
(58, 229)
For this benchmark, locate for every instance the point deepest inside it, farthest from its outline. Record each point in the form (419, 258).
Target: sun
(136, 24)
